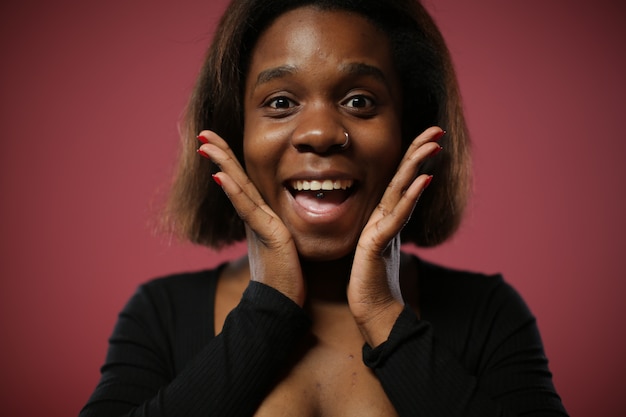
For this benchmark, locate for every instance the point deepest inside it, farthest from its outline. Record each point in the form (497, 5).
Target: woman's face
(314, 77)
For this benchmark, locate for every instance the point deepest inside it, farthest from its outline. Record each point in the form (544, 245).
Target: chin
(325, 249)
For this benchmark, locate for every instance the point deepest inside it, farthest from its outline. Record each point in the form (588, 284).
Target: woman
(319, 122)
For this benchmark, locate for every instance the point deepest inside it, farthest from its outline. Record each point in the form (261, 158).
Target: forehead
(308, 34)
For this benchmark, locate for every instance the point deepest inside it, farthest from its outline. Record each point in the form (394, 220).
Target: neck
(327, 281)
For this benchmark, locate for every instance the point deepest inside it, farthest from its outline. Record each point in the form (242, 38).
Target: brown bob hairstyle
(199, 210)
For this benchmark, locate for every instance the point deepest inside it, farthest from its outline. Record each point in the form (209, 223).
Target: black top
(476, 351)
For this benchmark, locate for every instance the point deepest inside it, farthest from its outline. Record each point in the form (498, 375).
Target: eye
(359, 102)
(280, 103)
(360, 105)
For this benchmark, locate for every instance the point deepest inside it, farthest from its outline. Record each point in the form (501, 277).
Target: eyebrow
(353, 68)
(360, 68)
(270, 74)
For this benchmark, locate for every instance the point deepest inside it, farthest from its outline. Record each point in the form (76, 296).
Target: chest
(327, 378)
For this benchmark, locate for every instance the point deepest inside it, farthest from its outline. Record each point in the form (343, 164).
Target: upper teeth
(327, 185)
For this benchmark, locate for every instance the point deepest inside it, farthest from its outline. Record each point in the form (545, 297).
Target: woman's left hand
(374, 294)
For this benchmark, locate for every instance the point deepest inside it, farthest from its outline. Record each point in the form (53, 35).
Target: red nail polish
(439, 135)
(428, 180)
(216, 179)
(436, 151)
(204, 154)
(202, 139)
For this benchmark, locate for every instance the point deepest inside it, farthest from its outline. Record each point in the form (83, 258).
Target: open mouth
(321, 196)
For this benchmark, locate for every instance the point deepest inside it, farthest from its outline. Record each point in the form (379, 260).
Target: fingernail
(439, 135)
(202, 139)
(216, 179)
(428, 180)
(436, 151)
(204, 154)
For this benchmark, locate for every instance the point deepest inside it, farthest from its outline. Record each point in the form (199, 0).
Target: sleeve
(423, 377)
(241, 362)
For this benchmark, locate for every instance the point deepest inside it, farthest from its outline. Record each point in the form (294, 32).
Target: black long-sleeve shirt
(476, 351)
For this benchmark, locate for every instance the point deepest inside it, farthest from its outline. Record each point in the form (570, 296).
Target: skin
(313, 76)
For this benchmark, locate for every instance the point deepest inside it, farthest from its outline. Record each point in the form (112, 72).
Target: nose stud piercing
(347, 142)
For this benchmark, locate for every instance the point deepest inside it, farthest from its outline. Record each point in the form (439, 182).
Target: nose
(319, 130)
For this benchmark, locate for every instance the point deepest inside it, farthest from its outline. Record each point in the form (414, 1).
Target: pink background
(90, 96)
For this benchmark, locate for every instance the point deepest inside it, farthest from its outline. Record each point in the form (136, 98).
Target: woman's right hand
(272, 252)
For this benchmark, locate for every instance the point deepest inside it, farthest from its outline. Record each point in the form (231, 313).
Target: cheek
(385, 151)
(262, 155)
(257, 161)
(254, 149)
(263, 141)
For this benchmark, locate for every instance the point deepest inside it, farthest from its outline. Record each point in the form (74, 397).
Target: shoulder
(174, 314)
(461, 286)
(474, 313)
(181, 284)
(453, 298)
(431, 274)
(174, 297)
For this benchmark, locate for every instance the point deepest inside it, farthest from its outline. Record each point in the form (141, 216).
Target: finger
(222, 155)
(259, 217)
(219, 151)
(243, 194)
(390, 223)
(407, 173)
(432, 134)
(423, 146)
